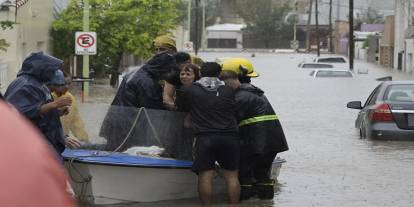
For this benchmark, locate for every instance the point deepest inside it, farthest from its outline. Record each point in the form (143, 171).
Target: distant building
(225, 36)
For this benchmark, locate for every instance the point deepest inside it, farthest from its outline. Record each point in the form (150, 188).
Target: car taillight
(382, 113)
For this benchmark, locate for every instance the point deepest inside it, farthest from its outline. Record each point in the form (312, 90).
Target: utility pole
(351, 35)
(308, 28)
(203, 24)
(189, 19)
(330, 28)
(318, 45)
(196, 44)
(85, 68)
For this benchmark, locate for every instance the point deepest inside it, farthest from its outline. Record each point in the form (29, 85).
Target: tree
(4, 26)
(122, 26)
(265, 20)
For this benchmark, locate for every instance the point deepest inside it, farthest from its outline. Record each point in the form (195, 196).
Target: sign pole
(85, 68)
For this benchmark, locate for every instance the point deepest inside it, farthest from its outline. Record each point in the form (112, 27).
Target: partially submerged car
(330, 59)
(331, 73)
(388, 113)
(305, 65)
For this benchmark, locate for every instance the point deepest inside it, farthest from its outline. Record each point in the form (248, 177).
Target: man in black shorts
(211, 105)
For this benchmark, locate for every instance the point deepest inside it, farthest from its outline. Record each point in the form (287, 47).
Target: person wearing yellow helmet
(260, 131)
(241, 66)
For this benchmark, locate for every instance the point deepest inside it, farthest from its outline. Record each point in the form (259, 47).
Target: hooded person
(139, 88)
(29, 94)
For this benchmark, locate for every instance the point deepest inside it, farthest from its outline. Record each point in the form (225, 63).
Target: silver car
(388, 113)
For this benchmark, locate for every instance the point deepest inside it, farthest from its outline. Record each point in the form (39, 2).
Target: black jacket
(28, 92)
(259, 127)
(212, 109)
(138, 89)
(141, 88)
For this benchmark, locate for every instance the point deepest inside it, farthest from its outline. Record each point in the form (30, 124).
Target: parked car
(314, 65)
(330, 59)
(332, 73)
(388, 113)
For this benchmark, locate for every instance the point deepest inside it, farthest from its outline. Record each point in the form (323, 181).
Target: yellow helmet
(196, 60)
(240, 66)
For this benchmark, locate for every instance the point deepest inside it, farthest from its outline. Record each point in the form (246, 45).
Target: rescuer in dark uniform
(260, 131)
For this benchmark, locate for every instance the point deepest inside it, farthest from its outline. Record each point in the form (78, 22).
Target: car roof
(387, 83)
(332, 69)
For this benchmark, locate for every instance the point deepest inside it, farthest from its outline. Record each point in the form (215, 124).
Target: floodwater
(327, 164)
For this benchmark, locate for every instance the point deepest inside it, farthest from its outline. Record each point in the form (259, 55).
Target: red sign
(85, 40)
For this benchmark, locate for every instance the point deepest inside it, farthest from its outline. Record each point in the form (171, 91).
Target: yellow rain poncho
(72, 122)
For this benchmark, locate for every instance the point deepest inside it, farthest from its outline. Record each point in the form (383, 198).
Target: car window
(312, 73)
(313, 65)
(399, 93)
(373, 96)
(331, 60)
(329, 73)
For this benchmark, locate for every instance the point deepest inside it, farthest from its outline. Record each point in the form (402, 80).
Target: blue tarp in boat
(122, 159)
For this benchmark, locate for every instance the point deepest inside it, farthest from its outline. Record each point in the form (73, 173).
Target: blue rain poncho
(28, 92)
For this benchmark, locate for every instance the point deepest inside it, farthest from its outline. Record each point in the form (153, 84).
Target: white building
(31, 33)
(225, 36)
(404, 28)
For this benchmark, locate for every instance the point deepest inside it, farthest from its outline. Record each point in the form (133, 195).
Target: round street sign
(85, 43)
(85, 40)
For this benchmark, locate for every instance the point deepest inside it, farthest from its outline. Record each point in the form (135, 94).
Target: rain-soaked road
(327, 164)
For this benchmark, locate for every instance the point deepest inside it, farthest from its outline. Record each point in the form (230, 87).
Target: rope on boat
(84, 182)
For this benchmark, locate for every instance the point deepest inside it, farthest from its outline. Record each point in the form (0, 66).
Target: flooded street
(327, 164)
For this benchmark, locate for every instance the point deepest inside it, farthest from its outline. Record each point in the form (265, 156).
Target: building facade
(31, 33)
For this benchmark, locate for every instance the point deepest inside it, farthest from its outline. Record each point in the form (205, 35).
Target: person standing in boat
(29, 94)
(260, 131)
(211, 105)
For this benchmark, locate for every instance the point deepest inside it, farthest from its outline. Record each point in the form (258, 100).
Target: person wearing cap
(165, 43)
(260, 131)
(29, 94)
(72, 121)
(211, 105)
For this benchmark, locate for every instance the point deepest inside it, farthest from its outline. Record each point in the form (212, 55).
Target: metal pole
(330, 27)
(318, 45)
(85, 69)
(189, 19)
(295, 23)
(196, 44)
(351, 35)
(308, 28)
(203, 23)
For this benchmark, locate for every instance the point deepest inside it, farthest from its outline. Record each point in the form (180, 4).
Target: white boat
(100, 177)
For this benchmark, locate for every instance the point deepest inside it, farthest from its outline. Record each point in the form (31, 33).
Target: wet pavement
(327, 164)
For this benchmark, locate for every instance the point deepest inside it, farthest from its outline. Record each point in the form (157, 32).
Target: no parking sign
(85, 43)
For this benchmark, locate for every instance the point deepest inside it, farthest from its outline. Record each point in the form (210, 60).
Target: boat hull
(105, 184)
(101, 178)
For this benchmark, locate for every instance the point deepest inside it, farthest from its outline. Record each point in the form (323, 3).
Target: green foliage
(122, 26)
(264, 19)
(4, 26)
